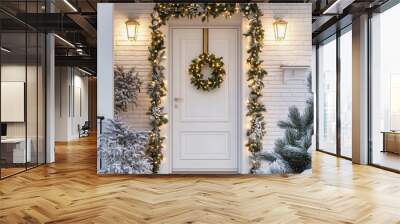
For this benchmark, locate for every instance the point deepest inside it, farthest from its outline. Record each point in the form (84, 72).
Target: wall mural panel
(124, 150)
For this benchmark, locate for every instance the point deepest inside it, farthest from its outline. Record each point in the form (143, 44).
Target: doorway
(205, 123)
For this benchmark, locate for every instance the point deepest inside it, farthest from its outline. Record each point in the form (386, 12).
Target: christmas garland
(255, 76)
(157, 88)
(216, 76)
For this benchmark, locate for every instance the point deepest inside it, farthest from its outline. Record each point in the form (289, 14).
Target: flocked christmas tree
(291, 153)
(122, 149)
(126, 88)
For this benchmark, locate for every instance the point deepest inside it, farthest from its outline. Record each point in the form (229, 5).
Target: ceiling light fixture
(334, 5)
(85, 72)
(70, 5)
(79, 51)
(64, 40)
(5, 50)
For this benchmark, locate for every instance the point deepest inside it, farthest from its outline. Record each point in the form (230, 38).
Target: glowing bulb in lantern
(280, 27)
(132, 28)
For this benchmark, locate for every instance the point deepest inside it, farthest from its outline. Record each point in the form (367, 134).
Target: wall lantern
(280, 27)
(132, 27)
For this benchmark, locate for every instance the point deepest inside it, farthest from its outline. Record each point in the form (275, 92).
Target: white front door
(205, 124)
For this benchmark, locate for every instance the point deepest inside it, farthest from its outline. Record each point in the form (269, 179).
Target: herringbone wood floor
(70, 191)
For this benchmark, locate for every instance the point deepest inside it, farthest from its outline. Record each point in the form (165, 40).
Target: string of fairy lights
(157, 88)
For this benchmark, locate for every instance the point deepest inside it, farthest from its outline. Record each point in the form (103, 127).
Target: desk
(391, 141)
(15, 148)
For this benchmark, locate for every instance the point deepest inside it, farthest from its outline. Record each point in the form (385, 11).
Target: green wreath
(216, 76)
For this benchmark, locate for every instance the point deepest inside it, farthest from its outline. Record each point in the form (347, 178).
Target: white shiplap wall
(279, 93)
(133, 54)
(282, 91)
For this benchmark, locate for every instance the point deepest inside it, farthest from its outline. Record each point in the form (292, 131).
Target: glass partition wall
(346, 71)
(22, 77)
(385, 89)
(334, 94)
(327, 95)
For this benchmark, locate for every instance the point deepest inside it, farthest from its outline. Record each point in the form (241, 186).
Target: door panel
(205, 145)
(204, 123)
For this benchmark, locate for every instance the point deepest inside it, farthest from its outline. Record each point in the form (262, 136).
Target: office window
(346, 93)
(385, 89)
(327, 96)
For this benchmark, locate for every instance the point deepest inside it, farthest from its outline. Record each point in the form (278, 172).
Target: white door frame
(169, 102)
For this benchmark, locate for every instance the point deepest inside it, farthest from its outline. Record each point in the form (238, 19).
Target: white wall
(133, 54)
(280, 92)
(62, 81)
(105, 77)
(50, 95)
(79, 104)
(67, 115)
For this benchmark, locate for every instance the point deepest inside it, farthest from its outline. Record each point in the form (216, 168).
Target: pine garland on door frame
(157, 88)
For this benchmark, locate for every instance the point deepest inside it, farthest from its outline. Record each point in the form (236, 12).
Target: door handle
(177, 99)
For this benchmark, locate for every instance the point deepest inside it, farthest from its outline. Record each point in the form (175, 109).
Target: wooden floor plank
(70, 191)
